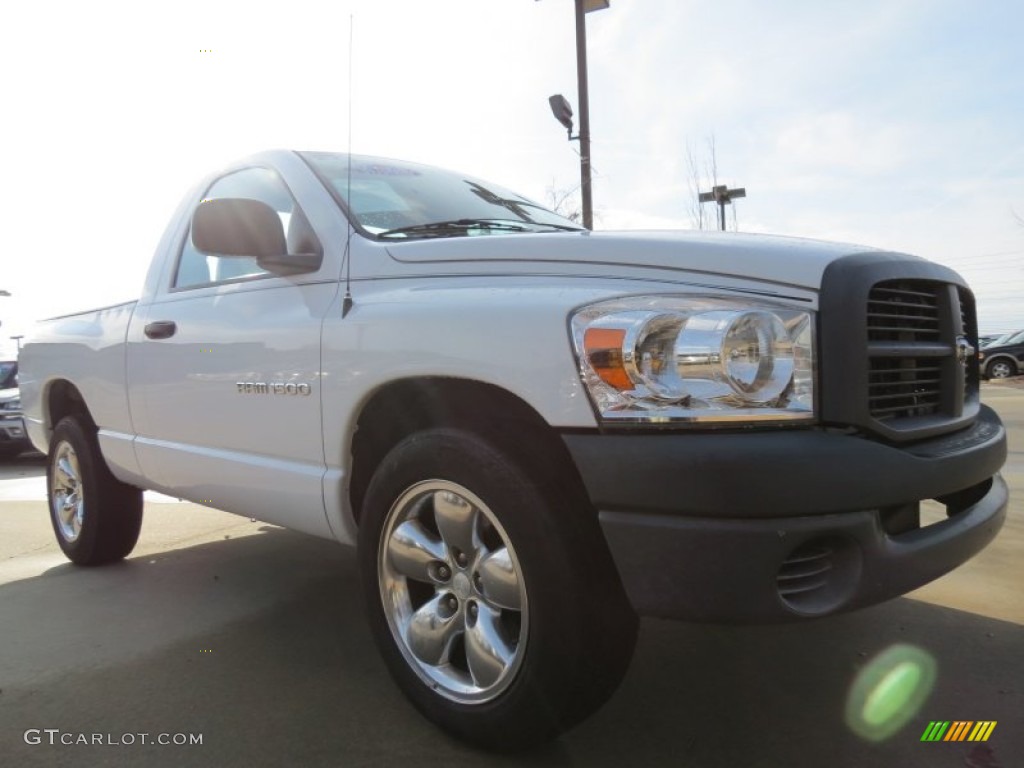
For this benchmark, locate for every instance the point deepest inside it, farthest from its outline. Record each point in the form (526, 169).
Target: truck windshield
(1013, 337)
(393, 199)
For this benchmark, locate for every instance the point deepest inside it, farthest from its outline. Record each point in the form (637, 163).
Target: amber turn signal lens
(603, 347)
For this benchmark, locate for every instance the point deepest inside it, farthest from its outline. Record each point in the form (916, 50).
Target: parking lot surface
(253, 638)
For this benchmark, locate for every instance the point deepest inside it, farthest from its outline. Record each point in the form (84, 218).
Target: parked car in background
(13, 438)
(986, 339)
(1003, 358)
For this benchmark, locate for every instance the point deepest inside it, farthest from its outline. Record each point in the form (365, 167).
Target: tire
(95, 516)
(1000, 369)
(490, 590)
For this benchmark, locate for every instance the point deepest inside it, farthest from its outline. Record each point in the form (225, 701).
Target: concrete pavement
(254, 638)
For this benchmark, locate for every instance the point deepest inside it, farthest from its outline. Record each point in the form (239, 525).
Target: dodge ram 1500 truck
(532, 433)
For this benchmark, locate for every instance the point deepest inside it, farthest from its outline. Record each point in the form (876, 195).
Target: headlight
(704, 359)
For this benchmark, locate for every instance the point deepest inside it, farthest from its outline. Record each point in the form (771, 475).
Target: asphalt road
(253, 637)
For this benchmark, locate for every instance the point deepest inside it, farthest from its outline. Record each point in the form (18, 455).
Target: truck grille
(905, 387)
(898, 349)
(913, 331)
(901, 314)
(902, 310)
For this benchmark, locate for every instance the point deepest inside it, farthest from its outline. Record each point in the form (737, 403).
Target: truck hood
(770, 258)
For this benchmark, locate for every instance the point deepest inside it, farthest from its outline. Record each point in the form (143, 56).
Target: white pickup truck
(531, 432)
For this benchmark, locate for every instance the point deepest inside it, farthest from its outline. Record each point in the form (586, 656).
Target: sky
(891, 123)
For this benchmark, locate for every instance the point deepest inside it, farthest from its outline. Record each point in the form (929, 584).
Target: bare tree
(565, 201)
(693, 173)
(703, 176)
(711, 165)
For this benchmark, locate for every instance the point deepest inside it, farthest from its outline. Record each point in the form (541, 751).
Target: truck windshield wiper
(462, 226)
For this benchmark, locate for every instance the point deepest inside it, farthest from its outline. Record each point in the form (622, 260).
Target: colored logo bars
(958, 730)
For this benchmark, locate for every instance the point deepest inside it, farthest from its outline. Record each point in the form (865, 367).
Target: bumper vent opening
(819, 575)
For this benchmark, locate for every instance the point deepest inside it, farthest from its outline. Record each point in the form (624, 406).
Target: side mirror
(236, 227)
(240, 227)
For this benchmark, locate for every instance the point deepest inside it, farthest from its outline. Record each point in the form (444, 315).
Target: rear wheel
(493, 600)
(1001, 369)
(95, 516)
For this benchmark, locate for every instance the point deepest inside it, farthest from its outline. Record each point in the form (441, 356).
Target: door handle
(161, 329)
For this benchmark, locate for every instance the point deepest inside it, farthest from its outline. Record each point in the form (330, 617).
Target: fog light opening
(820, 575)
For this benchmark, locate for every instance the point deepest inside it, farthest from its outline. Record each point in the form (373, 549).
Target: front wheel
(492, 598)
(1001, 369)
(95, 516)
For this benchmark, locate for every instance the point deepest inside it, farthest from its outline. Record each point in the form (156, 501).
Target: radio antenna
(347, 303)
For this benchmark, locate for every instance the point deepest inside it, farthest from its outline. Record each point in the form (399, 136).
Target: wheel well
(403, 407)
(1005, 357)
(64, 399)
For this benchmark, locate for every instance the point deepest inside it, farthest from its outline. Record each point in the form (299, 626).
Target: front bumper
(768, 526)
(13, 436)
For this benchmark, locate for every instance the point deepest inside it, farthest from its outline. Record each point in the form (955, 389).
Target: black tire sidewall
(112, 512)
(545, 696)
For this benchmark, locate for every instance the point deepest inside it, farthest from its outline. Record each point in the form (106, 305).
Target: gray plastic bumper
(775, 526)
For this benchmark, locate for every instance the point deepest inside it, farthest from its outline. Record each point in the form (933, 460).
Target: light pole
(563, 112)
(722, 196)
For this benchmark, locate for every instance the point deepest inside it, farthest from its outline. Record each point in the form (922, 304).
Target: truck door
(224, 372)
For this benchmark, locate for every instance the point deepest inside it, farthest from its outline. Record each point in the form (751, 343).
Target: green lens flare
(891, 694)
(889, 691)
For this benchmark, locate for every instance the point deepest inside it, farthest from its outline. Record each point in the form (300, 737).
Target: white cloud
(840, 141)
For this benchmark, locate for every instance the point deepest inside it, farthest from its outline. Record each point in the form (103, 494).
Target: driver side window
(197, 269)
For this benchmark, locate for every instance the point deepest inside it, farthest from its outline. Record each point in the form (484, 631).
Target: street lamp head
(562, 110)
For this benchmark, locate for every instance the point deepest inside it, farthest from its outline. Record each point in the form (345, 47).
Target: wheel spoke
(66, 474)
(499, 581)
(452, 590)
(78, 517)
(431, 631)
(487, 653)
(456, 521)
(64, 467)
(412, 548)
(68, 509)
